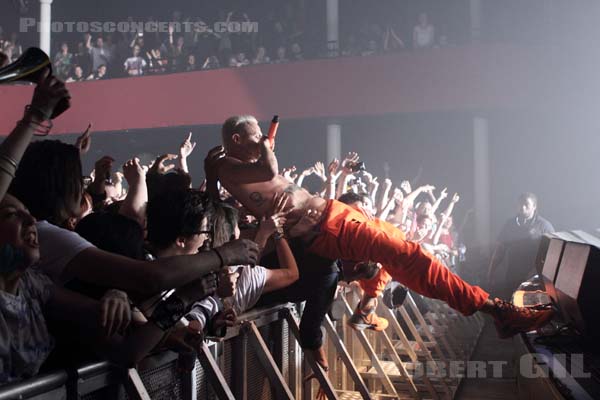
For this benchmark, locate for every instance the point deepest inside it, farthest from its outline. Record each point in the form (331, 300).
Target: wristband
(168, 312)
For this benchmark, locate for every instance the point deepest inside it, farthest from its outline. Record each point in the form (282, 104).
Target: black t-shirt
(522, 240)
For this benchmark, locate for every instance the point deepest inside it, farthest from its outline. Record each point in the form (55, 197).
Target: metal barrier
(260, 359)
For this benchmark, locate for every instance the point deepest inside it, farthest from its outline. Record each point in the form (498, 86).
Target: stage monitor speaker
(551, 251)
(578, 286)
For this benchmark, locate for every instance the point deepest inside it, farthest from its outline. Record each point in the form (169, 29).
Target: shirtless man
(247, 167)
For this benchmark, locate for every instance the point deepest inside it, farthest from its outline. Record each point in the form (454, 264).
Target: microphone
(273, 130)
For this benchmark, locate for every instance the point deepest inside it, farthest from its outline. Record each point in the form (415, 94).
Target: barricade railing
(260, 359)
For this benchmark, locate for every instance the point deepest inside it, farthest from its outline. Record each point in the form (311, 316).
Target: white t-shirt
(424, 37)
(135, 65)
(58, 246)
(249, 288)
(24, 339)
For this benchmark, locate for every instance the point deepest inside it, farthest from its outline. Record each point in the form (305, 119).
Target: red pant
(347, 234)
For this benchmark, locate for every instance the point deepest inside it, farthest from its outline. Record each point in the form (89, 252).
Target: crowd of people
(192, 44)
(91, 269)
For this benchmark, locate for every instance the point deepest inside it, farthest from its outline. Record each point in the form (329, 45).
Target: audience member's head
(424, 225)
(281, 52)
(527, 205)
(114, 233)
(19, 247)
(359, 201)
(176, 179)
(178, 222)
(49, 181)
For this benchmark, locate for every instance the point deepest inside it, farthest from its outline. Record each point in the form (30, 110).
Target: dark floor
(491, 348)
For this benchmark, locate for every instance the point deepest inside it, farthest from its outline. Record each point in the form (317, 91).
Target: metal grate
(258, 384)
(163, 383)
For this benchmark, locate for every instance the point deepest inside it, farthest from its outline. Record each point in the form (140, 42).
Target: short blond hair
(232, 125)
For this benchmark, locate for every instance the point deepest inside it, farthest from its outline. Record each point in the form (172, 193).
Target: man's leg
(345, 237)
(364, 316)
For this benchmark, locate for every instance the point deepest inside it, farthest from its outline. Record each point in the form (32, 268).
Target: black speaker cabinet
(550, 261)
(577, 284)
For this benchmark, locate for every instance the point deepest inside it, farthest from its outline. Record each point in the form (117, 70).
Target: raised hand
(159, 167)
(211, 160)
(48, 92)
(350, 160)
(319, 170)
(398, 196)
(288, 173)
(455, 198)
(444, 193)
(428, 188)
(84, 141)
(332, 169)
(308, 171)
(405, 185)
(187, 147)
(133, 171)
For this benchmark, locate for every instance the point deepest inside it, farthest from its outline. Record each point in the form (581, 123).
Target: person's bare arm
(288, 271)
(134, 205)
(438, 201)
(445, 215)
(125, 348)
(150, 277)
(412, 196)
(211, 162)
(332, 177)
(351, 159)
(47, 94)
(186, 148)
(385, 196)
(263, 170)
(307, 172)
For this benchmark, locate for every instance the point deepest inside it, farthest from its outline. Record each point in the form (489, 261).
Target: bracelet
(9, 160)
(220, 258)
(168, 312)
(278, 235)
(33, 109)
(6, 171)
(41, 130)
